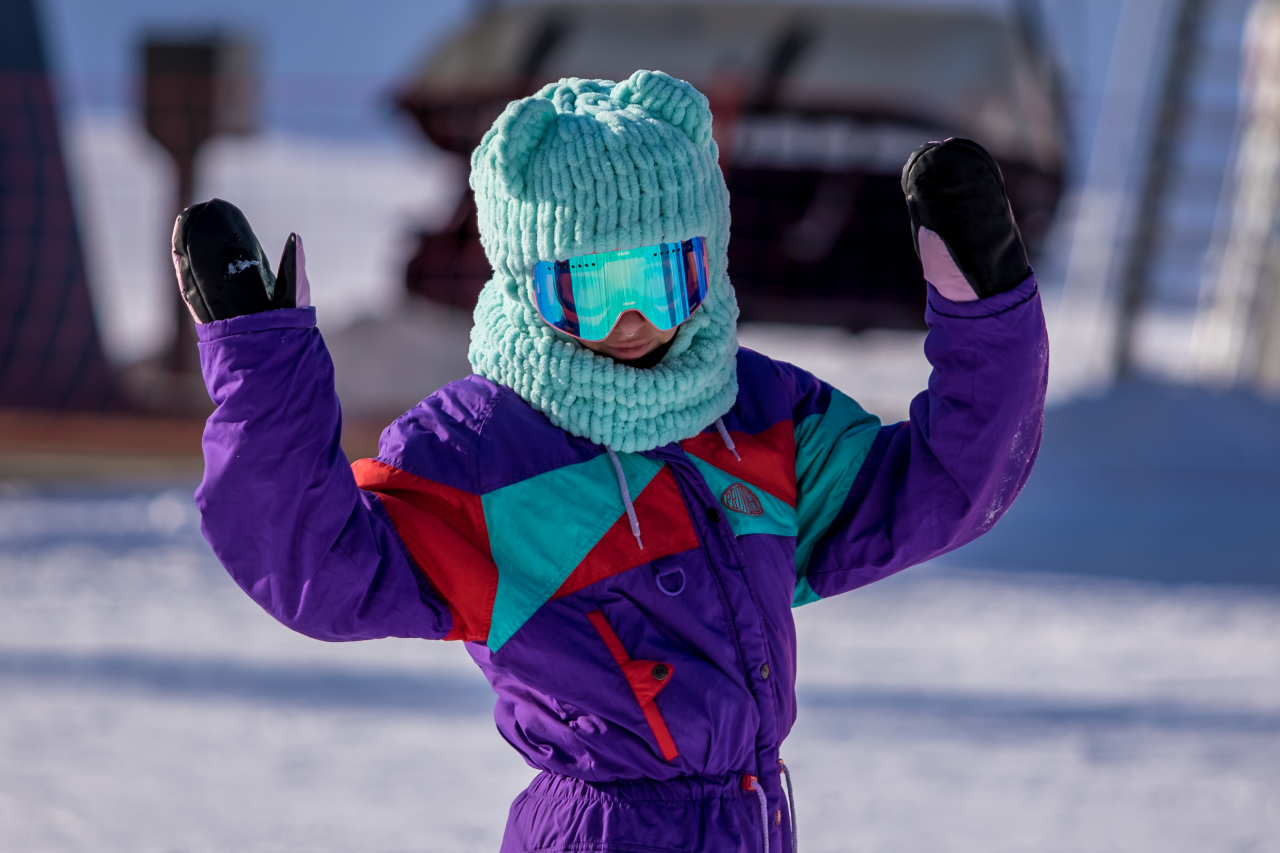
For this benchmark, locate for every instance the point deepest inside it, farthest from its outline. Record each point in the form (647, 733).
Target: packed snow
(150, 706)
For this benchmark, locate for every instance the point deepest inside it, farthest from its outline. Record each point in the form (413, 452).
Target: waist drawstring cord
(791, 806)
(751, 783)
(626, 497)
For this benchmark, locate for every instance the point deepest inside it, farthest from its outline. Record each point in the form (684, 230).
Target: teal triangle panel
(541, 528)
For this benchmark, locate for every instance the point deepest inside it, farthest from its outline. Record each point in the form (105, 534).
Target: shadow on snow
(296, 685)
(1150, 482)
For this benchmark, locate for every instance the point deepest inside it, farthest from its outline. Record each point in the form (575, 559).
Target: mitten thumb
(293, 290)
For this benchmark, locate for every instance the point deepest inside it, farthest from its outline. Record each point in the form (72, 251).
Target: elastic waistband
(553, 786)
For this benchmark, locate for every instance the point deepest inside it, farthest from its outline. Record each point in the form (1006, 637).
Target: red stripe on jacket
(445, 532)
(768, 457)
(665, 529)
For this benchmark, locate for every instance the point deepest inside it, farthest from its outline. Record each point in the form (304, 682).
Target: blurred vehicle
(816, 110)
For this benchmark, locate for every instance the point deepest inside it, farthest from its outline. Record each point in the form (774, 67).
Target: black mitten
(955, 189)
(221, 268)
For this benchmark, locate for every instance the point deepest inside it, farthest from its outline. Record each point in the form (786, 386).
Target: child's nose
(631, 323)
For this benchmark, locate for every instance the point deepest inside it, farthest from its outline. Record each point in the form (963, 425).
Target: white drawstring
(626, 497)
(791, 806)
(728, 442)
(626, 493)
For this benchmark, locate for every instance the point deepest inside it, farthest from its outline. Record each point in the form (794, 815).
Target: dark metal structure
(193, 89)
(816, 110)
(50, 353)
(1172, 113)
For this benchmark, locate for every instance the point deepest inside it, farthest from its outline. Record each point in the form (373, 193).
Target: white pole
(1231, 323)
(1084, 324)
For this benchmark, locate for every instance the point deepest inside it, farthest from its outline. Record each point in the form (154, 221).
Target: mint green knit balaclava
(591, 166)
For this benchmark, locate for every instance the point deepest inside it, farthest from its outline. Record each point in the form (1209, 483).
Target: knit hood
(589, 166)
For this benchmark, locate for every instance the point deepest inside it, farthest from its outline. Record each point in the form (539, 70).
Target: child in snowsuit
(618, 510)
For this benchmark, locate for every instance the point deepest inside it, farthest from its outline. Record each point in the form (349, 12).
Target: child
(619, 509)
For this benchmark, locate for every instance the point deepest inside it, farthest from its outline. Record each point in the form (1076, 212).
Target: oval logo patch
(741, 499)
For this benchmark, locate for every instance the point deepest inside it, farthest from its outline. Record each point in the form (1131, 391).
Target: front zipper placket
(687, 476)
(729, 571)
(743, 611)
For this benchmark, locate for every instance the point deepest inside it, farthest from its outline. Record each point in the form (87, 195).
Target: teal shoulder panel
(770, 516)
(541, 528)
(830, 449)
(804, 593)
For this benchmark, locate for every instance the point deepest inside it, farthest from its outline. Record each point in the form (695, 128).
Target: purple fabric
(772, 391)
(564, 705)
(711, 813)
(278, 502)
(528, 444)
(440, 439)
(282, 511)
(948, 474)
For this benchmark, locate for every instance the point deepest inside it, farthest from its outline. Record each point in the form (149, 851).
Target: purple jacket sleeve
(945, 476)
(278, 502)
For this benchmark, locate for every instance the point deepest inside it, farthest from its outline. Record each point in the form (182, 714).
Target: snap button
(764, 670)
(713, 515)
(661, 671)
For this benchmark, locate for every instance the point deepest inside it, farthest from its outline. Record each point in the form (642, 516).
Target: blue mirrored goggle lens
(585, 295)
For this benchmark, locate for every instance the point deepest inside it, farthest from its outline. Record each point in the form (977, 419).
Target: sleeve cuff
(988, 307)
(283, 318)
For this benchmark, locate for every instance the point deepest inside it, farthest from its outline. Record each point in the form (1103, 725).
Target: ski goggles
(585, 295)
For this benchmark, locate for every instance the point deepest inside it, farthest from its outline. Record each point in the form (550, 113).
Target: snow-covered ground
(147, 705)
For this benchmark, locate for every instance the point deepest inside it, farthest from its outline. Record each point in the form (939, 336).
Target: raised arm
(913, 490)
(278, 503)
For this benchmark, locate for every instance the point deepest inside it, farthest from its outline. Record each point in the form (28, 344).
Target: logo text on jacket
(741, 499)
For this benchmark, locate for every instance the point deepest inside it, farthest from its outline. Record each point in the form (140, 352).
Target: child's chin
(631, 353)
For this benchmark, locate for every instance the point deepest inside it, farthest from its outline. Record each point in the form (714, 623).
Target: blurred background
(1101, 672)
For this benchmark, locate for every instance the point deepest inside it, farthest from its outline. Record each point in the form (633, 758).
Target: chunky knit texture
(591, 166)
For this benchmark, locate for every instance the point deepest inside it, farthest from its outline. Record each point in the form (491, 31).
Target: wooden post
(193, 90)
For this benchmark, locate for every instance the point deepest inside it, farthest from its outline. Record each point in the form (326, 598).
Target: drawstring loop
(791, 805)
(751, 783)
(728, 442)
(662, 586)
(626, 497)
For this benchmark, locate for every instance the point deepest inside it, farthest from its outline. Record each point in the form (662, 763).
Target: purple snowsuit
(646, 665)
